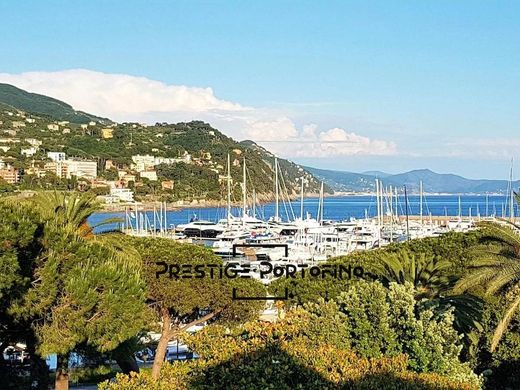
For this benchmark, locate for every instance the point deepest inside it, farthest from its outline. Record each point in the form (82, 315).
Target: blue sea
(345, 207)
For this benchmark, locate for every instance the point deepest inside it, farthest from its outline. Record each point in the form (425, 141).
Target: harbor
(311, 231)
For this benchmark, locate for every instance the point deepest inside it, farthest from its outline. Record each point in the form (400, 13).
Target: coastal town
(31, 157)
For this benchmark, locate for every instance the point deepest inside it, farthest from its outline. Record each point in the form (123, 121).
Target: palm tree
(70, 213)
(66, 215)
(433, 287)
(426, 273)
(497, 268)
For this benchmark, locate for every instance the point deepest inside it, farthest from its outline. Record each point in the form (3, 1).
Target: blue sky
(421, 84)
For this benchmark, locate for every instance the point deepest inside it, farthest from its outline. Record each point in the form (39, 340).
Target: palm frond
(504, 323)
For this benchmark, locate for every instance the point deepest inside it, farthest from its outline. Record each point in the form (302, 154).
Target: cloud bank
(129, 98)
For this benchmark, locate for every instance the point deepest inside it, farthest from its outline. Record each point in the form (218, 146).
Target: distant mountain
(432, 182)
(344, 181)
(43, 105)
(378, 174)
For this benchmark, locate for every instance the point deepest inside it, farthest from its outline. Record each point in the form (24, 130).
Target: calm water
(345, 207)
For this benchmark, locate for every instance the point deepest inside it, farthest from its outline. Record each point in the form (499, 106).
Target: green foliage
(497, 268)
(501, 366)
(293, 353)
(5, 187)
(427, 274)
(431, 265)
(82, 289)
(110, 174)
(185, 297)
(387, 322)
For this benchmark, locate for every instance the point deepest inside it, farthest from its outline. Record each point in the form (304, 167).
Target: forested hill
(200, 175)
(43, 105)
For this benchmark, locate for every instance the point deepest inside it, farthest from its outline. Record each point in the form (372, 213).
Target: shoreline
(203, 204)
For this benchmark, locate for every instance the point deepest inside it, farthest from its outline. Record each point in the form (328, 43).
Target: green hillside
(43, 105)
(201, 177)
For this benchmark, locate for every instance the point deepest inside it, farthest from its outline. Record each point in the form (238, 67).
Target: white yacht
(201, 229)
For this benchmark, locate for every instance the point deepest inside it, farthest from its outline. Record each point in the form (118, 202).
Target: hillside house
(56, 156)
(107, 133)
(167, 184)
(149, 174)
(120, 195)
(143, 162)
(53, 127)
(81, 168)
(10, 175)
(109, 164)
(56, 167)
(29, 152)
(18, 124)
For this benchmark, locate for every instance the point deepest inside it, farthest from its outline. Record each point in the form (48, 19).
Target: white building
(29, 151)
(58, 168)
(81, 168)
(142, 163)
(53, 127)
(120, 195)
(150, 175)
(56, 156)
(165, 160)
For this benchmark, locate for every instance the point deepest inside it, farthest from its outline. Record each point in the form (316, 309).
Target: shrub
(324, 345)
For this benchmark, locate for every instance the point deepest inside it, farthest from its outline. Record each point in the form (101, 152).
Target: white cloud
(129, 98)
(118, 96)
(310, 142)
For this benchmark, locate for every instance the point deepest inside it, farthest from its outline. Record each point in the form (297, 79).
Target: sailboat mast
(407, 218)
(378, 204)
(165, 218)
(154, 220)
(301, 201)
(391, 215)
(421, 201)
(396, 204)
(277, 195)
(244, 195)
(228, 190)
(381, 201)
(321, 204)
(512, 194)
